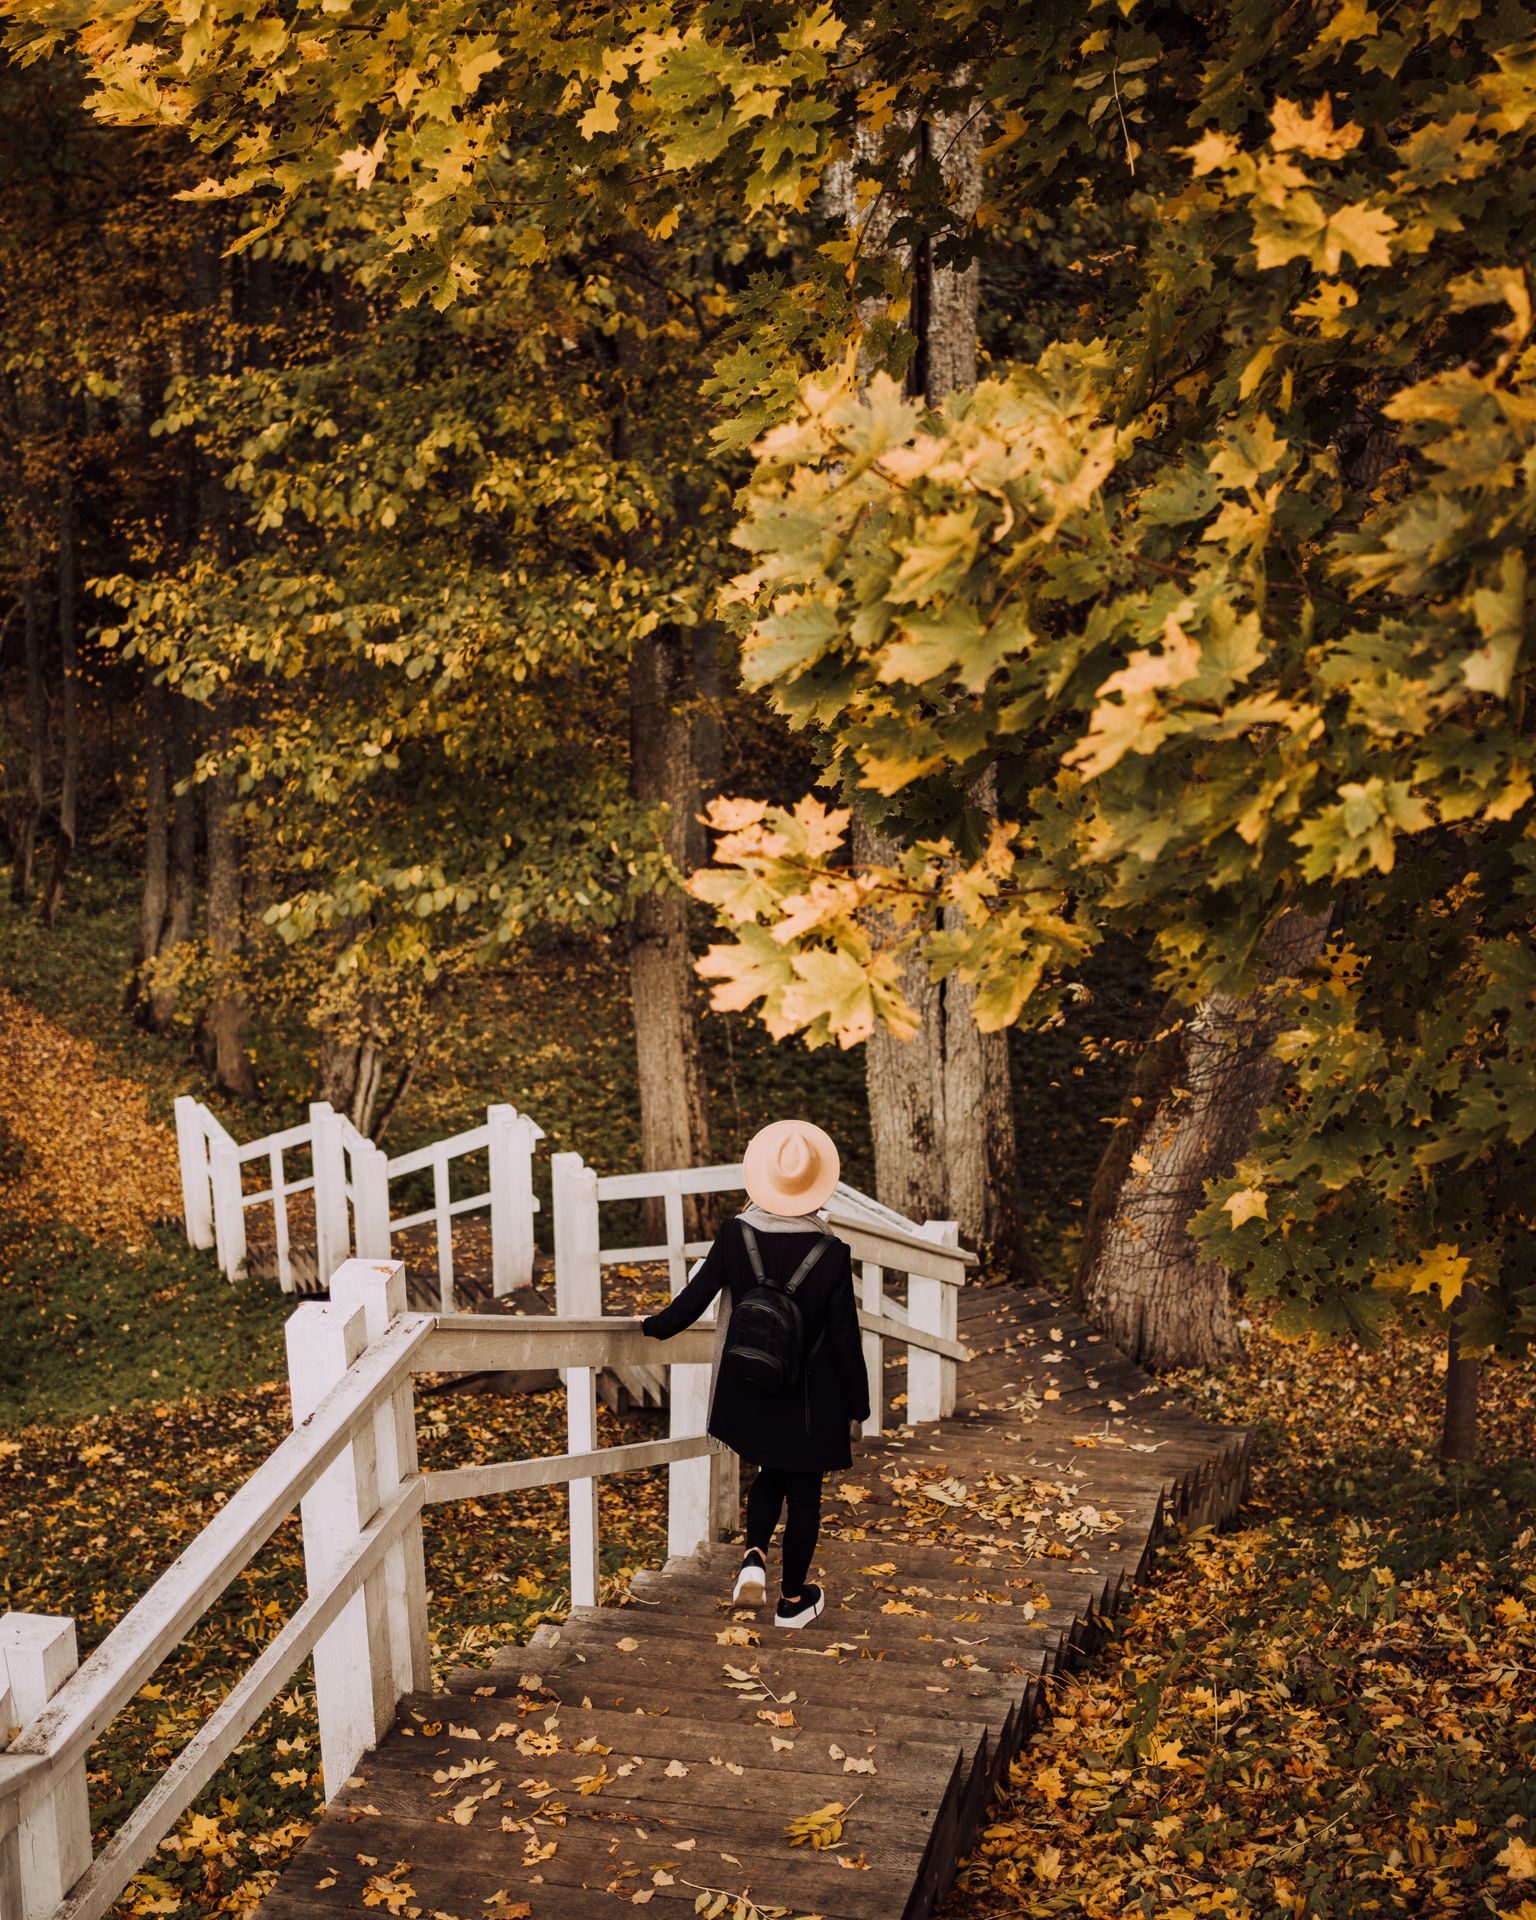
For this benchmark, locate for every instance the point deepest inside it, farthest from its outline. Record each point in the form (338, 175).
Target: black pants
(769, 1492)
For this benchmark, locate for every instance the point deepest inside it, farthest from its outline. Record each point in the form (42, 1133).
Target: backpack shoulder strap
(809, 1261)
(753, 1254)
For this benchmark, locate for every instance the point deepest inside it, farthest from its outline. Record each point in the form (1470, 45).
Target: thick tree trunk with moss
(674, 1117)
(1189, 1115)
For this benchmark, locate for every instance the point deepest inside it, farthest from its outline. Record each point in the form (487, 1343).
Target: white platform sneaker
(751, 1587)
(802, 1611)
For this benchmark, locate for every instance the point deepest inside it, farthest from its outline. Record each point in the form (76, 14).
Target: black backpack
(765, 1336)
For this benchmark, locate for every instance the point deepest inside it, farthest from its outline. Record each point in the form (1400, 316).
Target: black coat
(770, 1430)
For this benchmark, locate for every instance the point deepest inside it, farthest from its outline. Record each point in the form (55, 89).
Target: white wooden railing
(580, 1192)
(350, 1178)
(350, 1468)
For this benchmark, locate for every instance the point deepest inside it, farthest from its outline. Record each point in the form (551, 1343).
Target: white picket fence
(350, 1468)
(350, 1179)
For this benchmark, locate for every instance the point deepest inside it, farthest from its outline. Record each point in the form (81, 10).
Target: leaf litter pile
(1327, 1711)
(85, 1145)
(95, 1510)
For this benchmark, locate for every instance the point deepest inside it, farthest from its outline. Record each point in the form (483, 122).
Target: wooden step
(722, 1727)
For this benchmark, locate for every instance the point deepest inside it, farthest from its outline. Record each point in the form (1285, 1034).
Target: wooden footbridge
(663, 1748)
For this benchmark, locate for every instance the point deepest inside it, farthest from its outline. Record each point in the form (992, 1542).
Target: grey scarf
(760, 1220)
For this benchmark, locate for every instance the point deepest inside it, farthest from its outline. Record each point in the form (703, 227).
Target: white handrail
(231, 1720)
(350, 1183)
(350, 1466)
(129, 1655)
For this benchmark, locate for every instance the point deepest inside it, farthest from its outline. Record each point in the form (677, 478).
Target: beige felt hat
(790, 1166)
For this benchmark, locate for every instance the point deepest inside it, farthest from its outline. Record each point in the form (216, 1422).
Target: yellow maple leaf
(1248, 1203)
(1518, 1858)
(1361, 232)
(1313, 132)
(1049, 1784)
(729, 813)
(1212, 150)
(1439, 1268)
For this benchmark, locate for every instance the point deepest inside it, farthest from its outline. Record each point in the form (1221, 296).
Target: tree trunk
(945, 298)
(225, 1015)
(706, 740)
(1463, 1378)
(351, 1074)
(181, 888)
(31, 818)
(69, 668)
(674, 1120)
(1187, 1124)
(157, 837)
(940, 1104)
(904, 1079)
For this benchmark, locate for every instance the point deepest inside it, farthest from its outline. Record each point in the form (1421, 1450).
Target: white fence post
(370, 1200)
(378, 1288)
(228, 1204)
(354, 1690)
(280, 1219)
(692, 1500)
(512, 1200)
(442, 1226)
(872, 1283)
(52, 1845)
(579, 1296)
(333, 1235)
(932, 1305)
(192, 1151)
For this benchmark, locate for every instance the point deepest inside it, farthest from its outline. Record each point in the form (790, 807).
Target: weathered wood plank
(652, 1679)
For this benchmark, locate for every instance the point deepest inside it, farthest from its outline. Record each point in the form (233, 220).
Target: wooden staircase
(659, 1749)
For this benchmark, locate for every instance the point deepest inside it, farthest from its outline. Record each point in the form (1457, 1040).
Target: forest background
(1052, 485)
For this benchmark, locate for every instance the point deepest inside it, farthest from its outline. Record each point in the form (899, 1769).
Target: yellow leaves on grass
(90, 1154)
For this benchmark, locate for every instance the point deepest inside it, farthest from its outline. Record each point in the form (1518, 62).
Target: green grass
(550, 1030)
(90, 1328)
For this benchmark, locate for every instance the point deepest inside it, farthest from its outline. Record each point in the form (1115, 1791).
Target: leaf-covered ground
(551, 1031)
(1329, 1711)
(81, 1140)
(93, 1511)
